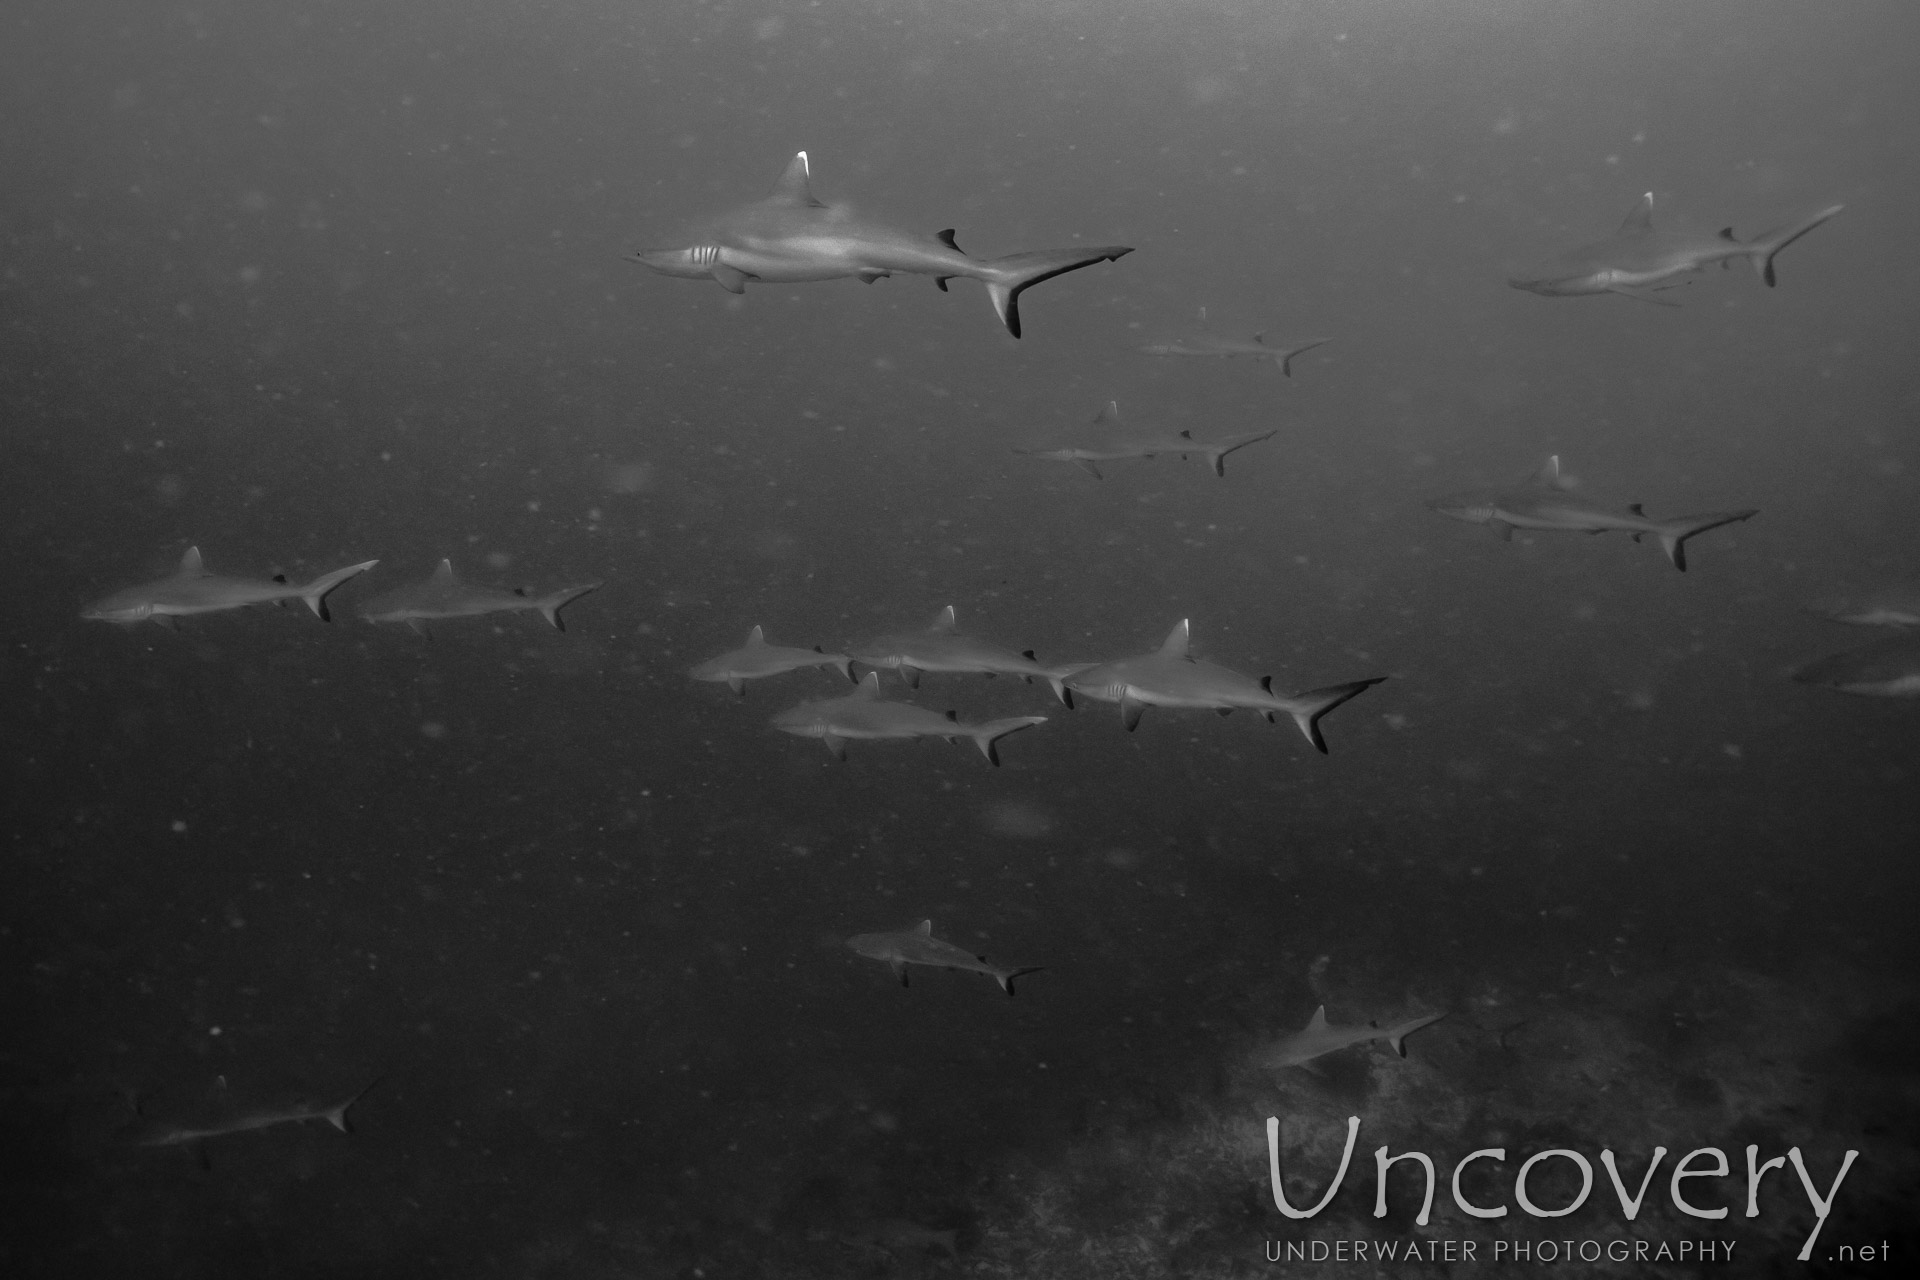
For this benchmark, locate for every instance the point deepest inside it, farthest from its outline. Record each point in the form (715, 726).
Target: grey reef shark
(193, 589)
(1173, 677)
(941, 648)
(222, 1115)
(1637, 261)
(1888, 668)
(756, 659)
(917, 945)
(864, 715)
(1542, 504)
(1893, 605)
(444, 595)
(1114, 443)
(1317, 1039)
(790, 237)
(1209, 345)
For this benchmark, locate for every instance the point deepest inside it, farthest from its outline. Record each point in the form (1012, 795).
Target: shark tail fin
(1007, 976)
(1217, 455)
(337, 1116)
(1007, 278)
(1398, 1036)
(1285, 358)
(1307, 708)
(1764, 248)
(987, 736)
(550, 606)
(1674, 533)
(315, 592)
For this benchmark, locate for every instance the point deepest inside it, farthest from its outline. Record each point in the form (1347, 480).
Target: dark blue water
(310, 284)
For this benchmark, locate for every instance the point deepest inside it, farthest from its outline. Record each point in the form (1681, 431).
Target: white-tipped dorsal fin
(1175, 645)
(1549, 472)
(1318, 1022)
(943, 620)
(793, 188)
(1640, 221)
(190, 562)
(924, 928)
(443, 572)
(1261, 337)
(1111, 413)
(756, 636)
(869, 687)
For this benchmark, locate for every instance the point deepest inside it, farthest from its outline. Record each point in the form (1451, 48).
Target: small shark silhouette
(1887, 668)
(1636, 260)
(918, 946)
(1894, 605)
(1317, 1038)
(897, 1236)
(791, 237)
(1116, 446)
(223, 1117)
(1542, 506)
(756, 659)
(1209, 345)
(1171, 677)
(941, 648)
(443, 595)
(192, 588)
(863, 714)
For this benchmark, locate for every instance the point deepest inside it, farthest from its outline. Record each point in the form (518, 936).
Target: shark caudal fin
(1005, 977)
(1396, 1037)
(1308, 707)
(315, 592)
(1763, 249)
(987, 736)
(550, 606)
(337, 1116)
(1217, 454)
(1674, 533)
(1283, 356)
(1007, 278)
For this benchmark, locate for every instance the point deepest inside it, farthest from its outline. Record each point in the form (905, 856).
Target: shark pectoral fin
(1086, 465)
(166, 620)
(940, 282)
(868, 277)
(899, 968)
(1642, 295)
(736, 684)
(836, 744)
(1130, 712)
(416, 626)
(911, 675)
(732, 279)
(1501, 530)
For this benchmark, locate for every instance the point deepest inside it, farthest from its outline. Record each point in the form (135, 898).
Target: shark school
(1705, 1162)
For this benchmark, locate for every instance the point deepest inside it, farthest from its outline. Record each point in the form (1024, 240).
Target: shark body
(1638, 260)
(1894, 605)
(193, 589)
(790, 237)
(941, 648)
(864, 715)
(1544, 505)
(1172, 677)
(756, 659)
(1209, 345)
(224, 1118)
(1117, 445)
(917, 945)
(1887, 668)
(444, 595)
(1317, 1039)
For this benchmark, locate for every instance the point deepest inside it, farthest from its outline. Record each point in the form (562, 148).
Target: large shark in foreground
(1117, 444)
(193, 588)
(942, 648)
(1543, 504)
(1210, 345)
(757, 659)
(864, 715)
(917, 945)
(1317, 1038)
(1171, 677)
(791, 237)
(1636, 260)
(1888, 668)
(443, 595)
(222, 1115)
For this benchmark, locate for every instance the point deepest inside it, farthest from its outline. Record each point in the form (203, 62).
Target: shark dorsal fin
(1726, 233)
(869, 687)
(1109, 414)
(943, 621)
(793, 188)
(1549, 472)
(1640, 221)
(191, 563)
(1261, 337)
(1175, 645)
(924, 928)
(1318, 1022)
(1637, 509)
(1186, 434)
(946, 238)
(756, 636)
(442, 572)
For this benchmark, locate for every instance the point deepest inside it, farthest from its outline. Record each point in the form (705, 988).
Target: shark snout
(671, 262)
